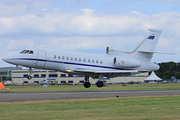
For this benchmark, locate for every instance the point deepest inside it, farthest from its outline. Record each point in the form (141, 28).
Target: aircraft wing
(105, 71)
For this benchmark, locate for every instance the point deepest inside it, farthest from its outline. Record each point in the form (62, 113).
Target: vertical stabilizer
(145, 49)
(150, 42)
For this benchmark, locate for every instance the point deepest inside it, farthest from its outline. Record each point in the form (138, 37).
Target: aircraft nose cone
(4, 60)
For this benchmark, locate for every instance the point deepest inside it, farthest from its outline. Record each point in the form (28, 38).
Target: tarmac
(12, 97)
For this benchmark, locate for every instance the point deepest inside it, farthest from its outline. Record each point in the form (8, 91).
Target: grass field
(124, 108)
(57, 88)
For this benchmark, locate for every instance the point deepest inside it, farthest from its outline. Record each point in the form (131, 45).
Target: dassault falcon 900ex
(114, 63)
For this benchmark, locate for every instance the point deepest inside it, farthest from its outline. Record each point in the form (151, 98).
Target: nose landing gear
(30, 71)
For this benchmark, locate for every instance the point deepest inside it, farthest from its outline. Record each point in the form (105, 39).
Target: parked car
(152, 82)
(8, 83)
(131, 82)
(164, 82)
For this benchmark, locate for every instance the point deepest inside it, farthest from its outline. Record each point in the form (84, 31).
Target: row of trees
(168, 70)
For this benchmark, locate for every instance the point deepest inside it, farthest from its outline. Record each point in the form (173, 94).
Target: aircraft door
(41, 58)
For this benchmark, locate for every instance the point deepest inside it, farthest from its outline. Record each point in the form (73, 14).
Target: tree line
(168, 70)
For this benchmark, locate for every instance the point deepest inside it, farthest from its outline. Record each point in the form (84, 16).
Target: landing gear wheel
(87, 85)
(29, 77)
(99, 84)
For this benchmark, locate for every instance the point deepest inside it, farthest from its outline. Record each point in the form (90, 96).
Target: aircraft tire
(87, 85)
(99, 84)
(29, 77)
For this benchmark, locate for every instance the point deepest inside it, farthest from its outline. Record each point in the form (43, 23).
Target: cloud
(87, 11)
(135, 12)
(17, 44)
(90, 23)
(73, 27)
(57, 9)
(44, 9)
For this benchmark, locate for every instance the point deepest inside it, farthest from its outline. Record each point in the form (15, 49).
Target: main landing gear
(29, 77)
(87, 84)
(99, 84)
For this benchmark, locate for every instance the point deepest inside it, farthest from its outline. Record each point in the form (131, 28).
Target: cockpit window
(23, 51)
(31, 52)
(27, 52)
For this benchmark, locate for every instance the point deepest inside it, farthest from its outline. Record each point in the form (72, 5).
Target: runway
(12, 97)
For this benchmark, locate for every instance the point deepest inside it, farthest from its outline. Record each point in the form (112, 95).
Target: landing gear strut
(29, 77)
(87, 84)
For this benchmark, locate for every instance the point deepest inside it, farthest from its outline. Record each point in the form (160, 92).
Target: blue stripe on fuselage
(70, 63)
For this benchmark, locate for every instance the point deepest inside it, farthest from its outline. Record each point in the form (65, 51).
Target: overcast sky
(88, 25)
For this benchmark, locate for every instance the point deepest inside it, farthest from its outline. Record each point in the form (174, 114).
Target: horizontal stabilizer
(144, 51)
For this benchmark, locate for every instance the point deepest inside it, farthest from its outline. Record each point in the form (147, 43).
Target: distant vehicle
(152, 82)
(63, 83)
(45, 82)
(123, 82)
(164, 82)
(70, 82)
(131, 82)
(81, 82)
(8, 83)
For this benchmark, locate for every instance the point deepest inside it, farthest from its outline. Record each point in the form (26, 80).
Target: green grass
(57, 88)
(125, 108)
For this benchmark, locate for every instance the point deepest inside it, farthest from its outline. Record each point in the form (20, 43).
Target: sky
(88, 26)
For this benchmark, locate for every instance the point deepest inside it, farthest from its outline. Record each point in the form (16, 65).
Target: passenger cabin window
(89, 60)
(63, 57)
(59, 57)
(75, 59)
(71, 58)
(79, 59)
(54, 56)
(67, 58)
(97, 61)
(84, 60)
(101, 61)
(92, 61)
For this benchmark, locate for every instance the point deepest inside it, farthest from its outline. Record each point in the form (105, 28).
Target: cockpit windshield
(27, 52)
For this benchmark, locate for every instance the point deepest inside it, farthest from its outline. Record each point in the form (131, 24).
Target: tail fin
(149, 44)
(144, 51)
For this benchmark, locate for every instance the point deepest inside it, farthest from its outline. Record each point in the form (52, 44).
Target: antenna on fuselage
(114, 60)
(107, 50)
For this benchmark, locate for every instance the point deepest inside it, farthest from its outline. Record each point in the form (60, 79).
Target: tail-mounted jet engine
(125, 63)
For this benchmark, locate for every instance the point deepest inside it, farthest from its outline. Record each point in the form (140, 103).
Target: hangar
(20, 76)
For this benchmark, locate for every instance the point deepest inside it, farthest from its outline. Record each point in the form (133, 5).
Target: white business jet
(114, 63)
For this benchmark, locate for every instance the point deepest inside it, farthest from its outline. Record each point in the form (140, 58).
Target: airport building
(6, 72)
(56, 77)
